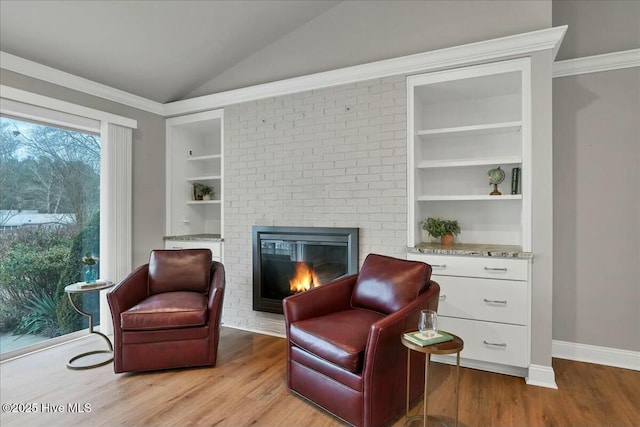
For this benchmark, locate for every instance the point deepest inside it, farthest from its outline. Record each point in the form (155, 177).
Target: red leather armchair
(343, 340)
(166, 314)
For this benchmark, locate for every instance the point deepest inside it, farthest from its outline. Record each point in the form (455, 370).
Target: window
(49, 219)
(115, 136)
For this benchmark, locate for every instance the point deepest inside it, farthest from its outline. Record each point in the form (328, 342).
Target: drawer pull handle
(495, 344)
(176, 247)
(443, 297)
(495, 301)
(495, 269)
(438, 265)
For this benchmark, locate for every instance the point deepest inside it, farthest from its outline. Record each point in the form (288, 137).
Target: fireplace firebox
(287, 260)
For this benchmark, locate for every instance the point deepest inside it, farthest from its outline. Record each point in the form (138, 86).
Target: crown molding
(597, 63)
(519, 44)
(51, 75)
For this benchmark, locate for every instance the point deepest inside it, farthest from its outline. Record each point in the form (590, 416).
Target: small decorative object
(443, 228)
(515, 180)
(90, 274)
(207, 192)
(496, 176)
(428, 324)
(416, 338)
(202, 190)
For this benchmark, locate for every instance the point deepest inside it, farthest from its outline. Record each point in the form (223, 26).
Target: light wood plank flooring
(248, 387)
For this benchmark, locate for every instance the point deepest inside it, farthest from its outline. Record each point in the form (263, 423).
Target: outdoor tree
(48, 169)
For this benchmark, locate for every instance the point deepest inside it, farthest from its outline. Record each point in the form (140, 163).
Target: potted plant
(207, 192)
(443, 228)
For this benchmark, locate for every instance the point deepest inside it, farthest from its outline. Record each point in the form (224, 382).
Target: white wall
(334, 157)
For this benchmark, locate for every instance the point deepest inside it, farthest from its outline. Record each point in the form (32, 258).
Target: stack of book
(416, 337)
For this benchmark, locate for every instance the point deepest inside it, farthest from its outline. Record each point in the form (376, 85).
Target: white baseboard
(541, 376)
(255, 330)
(595, 354)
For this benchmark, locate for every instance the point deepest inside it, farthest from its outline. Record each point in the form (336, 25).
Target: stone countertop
(196, 238)
(471, 249)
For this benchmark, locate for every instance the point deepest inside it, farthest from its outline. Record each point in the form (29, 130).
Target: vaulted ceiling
(170, 50)
(160, 50)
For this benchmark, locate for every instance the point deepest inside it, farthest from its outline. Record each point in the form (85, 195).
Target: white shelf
(462, 197)
(506, 160)
(490, 128)
(204, 202)
(195, 154)
(203, 178)
(207, 157)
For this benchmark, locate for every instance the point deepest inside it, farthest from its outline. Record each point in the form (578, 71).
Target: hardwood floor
(248, 387)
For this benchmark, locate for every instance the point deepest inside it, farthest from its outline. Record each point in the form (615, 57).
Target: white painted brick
(328, 157)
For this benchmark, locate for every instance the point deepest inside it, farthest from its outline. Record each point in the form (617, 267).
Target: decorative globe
(496, 176)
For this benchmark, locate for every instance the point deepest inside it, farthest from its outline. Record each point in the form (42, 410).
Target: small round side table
(447, 347)
(81, 288)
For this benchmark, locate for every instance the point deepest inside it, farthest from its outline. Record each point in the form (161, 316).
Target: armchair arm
(130, 291)
(216, 289)
(325, 299)
(384, 370)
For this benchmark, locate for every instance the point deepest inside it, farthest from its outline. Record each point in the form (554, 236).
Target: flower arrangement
(90, 274)
(89, 259)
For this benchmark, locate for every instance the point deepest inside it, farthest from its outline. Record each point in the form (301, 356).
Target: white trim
(71, 81)
(254, 330)
(616, 357)
(12, 93)
(32, 112)
(541, 376)
(597, 63)
(483, 51)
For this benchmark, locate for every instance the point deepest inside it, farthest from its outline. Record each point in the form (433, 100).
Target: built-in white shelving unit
(195, 156)
(461, 124)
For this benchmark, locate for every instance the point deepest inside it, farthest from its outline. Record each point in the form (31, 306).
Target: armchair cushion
(339, 337)
(169, 310)
(183, 270)
(387, 284)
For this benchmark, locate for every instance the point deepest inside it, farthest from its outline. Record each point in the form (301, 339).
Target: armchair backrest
(387, 284)
(179, 270)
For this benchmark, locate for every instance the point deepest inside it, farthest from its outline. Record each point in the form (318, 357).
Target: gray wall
(597, 27)
(597, 209)
(148, 159)
(596, 167)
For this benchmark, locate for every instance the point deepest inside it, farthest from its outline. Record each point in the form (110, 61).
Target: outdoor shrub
(87, 240)
(41, 317)
(30, 266)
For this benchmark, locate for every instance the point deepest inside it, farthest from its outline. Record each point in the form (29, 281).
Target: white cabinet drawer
(485, 267)
(216, 247)
(490, 342)
(483, 299)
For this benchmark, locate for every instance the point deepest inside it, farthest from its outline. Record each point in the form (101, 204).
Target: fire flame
(304, 279)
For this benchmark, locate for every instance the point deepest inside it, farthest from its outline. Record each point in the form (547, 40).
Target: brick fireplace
(288, 260)
(333, 157)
